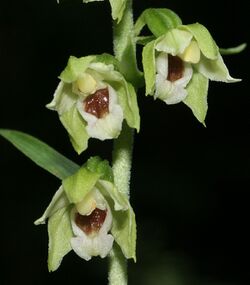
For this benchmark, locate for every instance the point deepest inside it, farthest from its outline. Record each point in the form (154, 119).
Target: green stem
(124, 49)
(122, 161)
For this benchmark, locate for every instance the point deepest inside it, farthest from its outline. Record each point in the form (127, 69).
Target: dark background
(189, 183)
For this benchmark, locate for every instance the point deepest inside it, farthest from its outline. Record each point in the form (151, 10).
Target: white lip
(171, 92)
(107, 127)
(87, 246)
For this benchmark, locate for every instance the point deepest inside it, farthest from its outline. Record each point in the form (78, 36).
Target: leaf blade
(40, 153)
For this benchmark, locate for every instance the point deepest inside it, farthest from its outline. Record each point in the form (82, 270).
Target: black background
(189, 183)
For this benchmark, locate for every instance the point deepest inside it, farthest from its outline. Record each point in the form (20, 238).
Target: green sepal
(124, 224)
(128, 101)
(107, 59)
(215, 70)
(204, 40)
(124, 232)
(148, 61)
(233, 50)
(76, 127)
(58, 201)
(80, 184)
(196, 99)
(75, 67)
(40, 153)
(60, 233)
(63, 98)
(158, 20)
(96, 164)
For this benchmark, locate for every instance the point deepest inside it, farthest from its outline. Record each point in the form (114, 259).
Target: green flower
(93, 99)
(178, 65)
(87, 214)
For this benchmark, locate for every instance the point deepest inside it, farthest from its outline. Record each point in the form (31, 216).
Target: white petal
(108, 127)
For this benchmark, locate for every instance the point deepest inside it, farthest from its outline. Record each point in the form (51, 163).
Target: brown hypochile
(97, 104)
(91, 223)
(175, 68)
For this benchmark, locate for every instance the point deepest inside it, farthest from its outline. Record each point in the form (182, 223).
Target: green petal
(215, 70)
(205, 41)
(148, 61)
(79, 184)
(109, 190)
(75, 125)
(96, 164)
(58, 201)
(117, 7)
(174, 41)
(75, 67)
(124, 232)
(196, 99)
(233, 50)
(60, 233)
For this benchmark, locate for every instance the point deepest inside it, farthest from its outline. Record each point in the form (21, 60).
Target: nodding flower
(178, 65)
(86, 214)
(92, 100)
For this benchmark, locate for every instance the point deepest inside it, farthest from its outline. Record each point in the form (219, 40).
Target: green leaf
(204, 39)
(196, 99)
(148, 61)
(233, 50)
(79, 184)
(42, 154)
(60, 233)
(124, 232)
(159, 21)
(76, 127)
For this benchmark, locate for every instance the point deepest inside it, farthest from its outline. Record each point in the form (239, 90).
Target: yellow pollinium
(87, 205)
(192, 53)
(86, 84)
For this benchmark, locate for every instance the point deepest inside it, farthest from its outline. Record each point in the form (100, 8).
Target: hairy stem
(124, 49)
